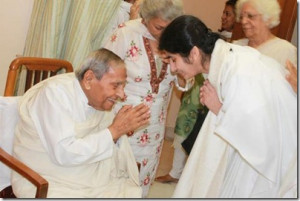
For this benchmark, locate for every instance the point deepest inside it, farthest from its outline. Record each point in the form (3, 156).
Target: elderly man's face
(102, 94)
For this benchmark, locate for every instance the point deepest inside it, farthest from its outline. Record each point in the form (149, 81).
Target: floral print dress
(144, 84)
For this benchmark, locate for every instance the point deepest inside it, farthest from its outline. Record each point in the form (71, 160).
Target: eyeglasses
(249, 16)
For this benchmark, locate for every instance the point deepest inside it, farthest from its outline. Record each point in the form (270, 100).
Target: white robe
(276, 48)
(244, 151)
(67, 142)
(226, 34)
(280, 50)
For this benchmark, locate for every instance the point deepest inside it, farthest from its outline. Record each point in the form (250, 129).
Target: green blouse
(189, 108)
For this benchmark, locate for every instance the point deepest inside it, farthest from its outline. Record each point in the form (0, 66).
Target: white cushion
(8, 120)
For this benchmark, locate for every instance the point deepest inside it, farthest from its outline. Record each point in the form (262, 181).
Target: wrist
(113, 133)
(218, 108)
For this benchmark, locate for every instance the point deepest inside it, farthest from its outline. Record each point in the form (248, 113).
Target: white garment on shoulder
(276, 48)
(226, 34)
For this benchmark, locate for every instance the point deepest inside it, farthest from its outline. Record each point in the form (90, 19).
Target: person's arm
(134, 10)
(209, 97)
(58, 119)
(292, 76)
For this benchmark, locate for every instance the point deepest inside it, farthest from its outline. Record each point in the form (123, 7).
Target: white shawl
(255, 129)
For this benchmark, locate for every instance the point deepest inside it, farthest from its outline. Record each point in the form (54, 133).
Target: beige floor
(160, 190)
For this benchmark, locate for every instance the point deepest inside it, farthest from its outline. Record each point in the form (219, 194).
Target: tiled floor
(160, 190)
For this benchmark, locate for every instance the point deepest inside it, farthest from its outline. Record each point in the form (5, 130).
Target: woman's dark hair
(185, 32)
(231, 3)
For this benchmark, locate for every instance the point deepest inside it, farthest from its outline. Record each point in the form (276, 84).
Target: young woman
(248, 141)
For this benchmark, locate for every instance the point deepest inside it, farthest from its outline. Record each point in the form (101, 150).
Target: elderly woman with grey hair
(149, 78)
(258, 17)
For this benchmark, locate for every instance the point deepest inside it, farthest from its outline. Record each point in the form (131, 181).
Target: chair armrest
(25, 171)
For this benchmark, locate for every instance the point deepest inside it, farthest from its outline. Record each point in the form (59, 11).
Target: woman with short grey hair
(257, 18)
(166, 10)
(270, 10)
(149, 79)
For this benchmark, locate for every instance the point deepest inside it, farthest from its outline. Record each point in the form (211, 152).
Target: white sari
(247, 149)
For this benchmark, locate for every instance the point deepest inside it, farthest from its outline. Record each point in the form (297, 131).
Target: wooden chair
(37, 69)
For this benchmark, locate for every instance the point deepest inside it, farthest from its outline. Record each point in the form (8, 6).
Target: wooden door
(285, 29)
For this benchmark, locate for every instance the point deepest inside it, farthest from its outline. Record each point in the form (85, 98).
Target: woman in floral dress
(148, 78)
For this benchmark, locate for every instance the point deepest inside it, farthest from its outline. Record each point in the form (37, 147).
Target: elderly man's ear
(87, 79)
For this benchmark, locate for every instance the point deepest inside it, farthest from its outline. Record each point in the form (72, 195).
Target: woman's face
(252, 22)
(181, 66)
(228, 18)
(155, 26)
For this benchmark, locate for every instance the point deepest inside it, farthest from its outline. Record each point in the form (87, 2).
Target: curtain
(67, 29)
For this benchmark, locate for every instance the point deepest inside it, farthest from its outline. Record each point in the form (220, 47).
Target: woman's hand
(134, 10)
(292, 77)
(209, 97)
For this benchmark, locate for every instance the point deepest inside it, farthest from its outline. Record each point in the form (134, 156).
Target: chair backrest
(37, 69)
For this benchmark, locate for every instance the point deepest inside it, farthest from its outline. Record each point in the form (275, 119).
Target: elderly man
(68, 135)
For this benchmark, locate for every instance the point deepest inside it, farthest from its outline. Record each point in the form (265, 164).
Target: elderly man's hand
(129, 119)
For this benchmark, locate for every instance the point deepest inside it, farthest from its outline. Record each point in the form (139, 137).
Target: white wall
(209, 11)
(14, 22)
